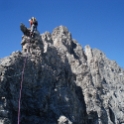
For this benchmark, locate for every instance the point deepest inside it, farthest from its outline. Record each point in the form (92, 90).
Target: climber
(33, 26)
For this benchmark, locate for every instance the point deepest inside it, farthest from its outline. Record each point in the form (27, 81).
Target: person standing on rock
(33, 25)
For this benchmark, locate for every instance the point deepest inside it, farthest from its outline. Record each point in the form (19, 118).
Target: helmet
(33, 19)
(29, 20)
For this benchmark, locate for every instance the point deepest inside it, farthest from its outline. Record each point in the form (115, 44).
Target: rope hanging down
(21, 85)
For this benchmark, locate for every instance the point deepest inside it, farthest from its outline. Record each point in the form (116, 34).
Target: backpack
(35, 22)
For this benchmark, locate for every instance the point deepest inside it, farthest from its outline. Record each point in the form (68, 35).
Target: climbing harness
(22, 78)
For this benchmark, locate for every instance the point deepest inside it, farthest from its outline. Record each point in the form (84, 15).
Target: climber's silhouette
(33, 26)
(32, 29)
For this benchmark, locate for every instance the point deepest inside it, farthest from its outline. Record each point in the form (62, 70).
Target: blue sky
(98, 23)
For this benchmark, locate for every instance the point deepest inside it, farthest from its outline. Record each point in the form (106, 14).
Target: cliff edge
(63, 83)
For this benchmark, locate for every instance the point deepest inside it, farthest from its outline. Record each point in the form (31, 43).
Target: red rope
(21, 89)
(21, 85)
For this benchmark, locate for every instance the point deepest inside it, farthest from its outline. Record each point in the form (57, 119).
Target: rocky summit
(63, 83)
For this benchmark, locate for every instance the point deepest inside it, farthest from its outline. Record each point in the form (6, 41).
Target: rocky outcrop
(63, 83)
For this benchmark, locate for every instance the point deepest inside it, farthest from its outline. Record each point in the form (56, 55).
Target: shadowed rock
(63, 83)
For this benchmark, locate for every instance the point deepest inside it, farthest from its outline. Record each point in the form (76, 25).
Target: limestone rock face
(63, 83)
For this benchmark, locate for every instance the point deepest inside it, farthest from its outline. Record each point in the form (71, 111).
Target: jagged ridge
(62, 83)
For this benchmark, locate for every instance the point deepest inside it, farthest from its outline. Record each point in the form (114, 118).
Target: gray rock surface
(63, 83)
